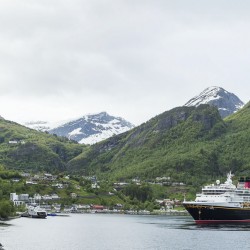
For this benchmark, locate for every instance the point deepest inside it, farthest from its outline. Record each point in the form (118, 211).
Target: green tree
(6, 209)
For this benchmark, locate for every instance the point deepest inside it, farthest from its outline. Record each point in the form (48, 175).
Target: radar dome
(218, 182)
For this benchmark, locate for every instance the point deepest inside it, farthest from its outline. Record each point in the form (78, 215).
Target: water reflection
(225, 227)
(3, 224)
(187, 223)
(122, 232)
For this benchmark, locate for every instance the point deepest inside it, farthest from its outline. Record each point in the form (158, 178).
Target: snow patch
(226, 102)
(208, 95)
(76, 132)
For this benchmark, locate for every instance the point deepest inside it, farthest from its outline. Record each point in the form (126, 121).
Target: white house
(55, 196)
(15, 199)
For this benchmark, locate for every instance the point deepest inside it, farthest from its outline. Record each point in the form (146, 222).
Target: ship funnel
(247, 182)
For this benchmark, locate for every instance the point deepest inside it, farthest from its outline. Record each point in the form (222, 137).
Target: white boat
(36, 212)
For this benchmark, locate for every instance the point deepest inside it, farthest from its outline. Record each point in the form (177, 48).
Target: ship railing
(220, 187)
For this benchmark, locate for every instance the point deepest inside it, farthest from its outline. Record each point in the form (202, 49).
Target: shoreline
(4, 222)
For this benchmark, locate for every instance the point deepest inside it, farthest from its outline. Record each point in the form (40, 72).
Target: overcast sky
(132, 58)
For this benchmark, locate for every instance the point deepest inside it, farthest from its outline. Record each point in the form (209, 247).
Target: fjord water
(103, 231)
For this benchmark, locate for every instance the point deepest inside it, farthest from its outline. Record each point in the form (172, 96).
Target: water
(107, 232)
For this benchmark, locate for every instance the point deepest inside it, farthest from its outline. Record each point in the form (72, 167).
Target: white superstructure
(36, 212)
(225, 194)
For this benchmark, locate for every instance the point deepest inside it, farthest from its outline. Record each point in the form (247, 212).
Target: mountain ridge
(188, 144)
(151, 149)
(93, 128)
(88, 129)
(226, 102)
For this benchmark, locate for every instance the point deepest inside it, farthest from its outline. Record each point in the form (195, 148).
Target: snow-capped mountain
(38, 125)
(226, 102)
(92, 128)
(44, 125)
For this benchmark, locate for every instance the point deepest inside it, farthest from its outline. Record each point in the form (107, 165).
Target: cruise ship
(222, 202)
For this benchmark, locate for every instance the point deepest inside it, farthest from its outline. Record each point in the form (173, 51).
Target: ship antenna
(229, 178)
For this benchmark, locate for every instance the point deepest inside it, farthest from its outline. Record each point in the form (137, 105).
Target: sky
(61, 59)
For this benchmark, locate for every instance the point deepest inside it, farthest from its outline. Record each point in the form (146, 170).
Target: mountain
(169, 144)
(188, 144)
(92, 128)
(226, 102)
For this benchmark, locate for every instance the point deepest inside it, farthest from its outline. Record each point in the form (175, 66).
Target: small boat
(51, 214)
(222, 202)
(36, 212)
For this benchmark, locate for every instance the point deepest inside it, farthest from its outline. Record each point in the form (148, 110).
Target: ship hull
(39, 215)
(207, 214)
(36, 212)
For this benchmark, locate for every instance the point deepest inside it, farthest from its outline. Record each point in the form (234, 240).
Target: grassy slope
(40, 151)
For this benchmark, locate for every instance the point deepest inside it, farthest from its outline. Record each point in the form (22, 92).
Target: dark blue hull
(203, 214)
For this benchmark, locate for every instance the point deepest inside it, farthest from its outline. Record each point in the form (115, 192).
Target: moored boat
(51, 214)
(36, 212)
(222, 203)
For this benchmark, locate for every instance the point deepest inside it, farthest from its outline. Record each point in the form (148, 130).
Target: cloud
(132, 58)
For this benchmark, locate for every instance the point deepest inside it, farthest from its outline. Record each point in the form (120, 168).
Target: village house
(16, 142)
(49, 177)
(58, 185)
(95, 186)
(55, 196)
(30, 182)
(46, 197)
(73, 195)
(13, 142)
(25, 174)
(97, 207)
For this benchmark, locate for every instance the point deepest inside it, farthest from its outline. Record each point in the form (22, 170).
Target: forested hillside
(26, 149)
(185, 143)
(189, 144)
